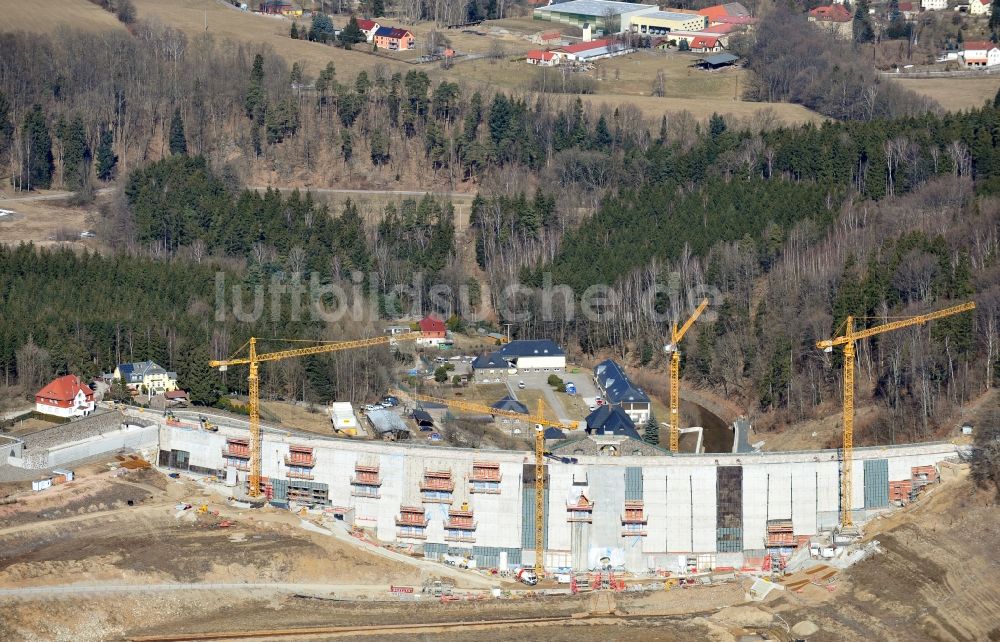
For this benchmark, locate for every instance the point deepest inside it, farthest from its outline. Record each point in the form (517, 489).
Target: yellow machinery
(673, 349)
(847, 340)
(540, 423)
(254, 359)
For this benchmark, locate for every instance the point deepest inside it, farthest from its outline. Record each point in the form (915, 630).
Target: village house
(279, 8)
(618, 390)
(368, 27)
(542, 58)
(146, 377)
(433, 331)
(393, 39)
(933, 5)
(980, 8)
(836, 18)
(981, 53)
(66, 396)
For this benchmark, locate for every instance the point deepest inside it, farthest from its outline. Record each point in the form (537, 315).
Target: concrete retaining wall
(679, 492)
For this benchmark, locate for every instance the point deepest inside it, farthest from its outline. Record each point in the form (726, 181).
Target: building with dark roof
(393, 39)
(618, 390)
(489, 368)
(510, 404)
(146, 376)
(611, 420)
(534, 355)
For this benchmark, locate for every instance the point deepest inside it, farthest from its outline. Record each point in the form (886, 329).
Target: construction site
(243, 530)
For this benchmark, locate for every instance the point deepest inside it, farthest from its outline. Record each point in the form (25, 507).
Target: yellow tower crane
(847, 340)
(673, 349)
(254, 358)
(540, 423)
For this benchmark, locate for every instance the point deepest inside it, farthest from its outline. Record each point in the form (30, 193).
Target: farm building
(660, 23)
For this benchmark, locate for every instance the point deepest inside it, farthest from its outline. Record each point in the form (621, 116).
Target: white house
(146, 377)
(981, 53)
(65, 397)
(933, 5)
(980, 8)
(541, 355)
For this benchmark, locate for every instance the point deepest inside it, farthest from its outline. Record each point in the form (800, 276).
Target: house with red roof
(981, 53)
(542, 58)
(835, 18)
(393, 39)
(730, 9)
(705, 44)
(66, 396)
(433, 331)
(368, 27)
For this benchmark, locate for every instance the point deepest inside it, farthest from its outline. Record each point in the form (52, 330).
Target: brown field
(46, 16)
(42, 221)
(228, 23)
(955, 94)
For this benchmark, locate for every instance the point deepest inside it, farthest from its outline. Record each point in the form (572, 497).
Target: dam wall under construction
(629, 512)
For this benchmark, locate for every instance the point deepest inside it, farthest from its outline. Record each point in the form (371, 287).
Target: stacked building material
(780, 533)
(899, 491)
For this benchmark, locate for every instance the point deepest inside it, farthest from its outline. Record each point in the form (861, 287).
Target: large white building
(980, 8)
(933, 5)
(66, 396)
(534, 355)
(602, 16)
(634, 512)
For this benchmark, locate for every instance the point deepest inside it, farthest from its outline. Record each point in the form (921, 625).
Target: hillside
(55, 14)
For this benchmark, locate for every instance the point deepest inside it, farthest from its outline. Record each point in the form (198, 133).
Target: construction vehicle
(847, 340)
(254, 359)
(540, 423)
(673, 349)
(527, 576)
(172, 419)
(207, 425)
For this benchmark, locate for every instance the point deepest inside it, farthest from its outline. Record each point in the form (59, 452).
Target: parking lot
(564, 406)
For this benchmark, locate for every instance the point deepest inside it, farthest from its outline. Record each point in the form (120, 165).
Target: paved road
(43, 592)
(51, 196)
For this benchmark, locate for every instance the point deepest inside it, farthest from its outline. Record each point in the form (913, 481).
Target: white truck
(526, 576)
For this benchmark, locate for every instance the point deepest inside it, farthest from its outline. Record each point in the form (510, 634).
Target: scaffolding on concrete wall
(729, 509)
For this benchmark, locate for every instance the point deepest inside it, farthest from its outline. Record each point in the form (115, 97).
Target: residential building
(510, 404)
(981, 53)
(618, 390)
(980, 8)
(603, 16)
(660, 23)
(490, 368)
(66, 396)
(705, 44)
(534, 355)
(146, 377)
(835, 18)
(933, 5)
(368, 27)
(433, 331)
(279, 8)
(393, 39)
(542, 58)
(611, 420)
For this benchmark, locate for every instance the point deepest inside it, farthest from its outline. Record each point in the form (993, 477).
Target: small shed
(423, 419)
(388, 425)
(718, 61)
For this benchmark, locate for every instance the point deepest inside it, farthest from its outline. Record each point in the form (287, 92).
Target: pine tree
(294, 32)
(716, 126)
(602, 136)
(995, 15)
(38, 164)
(107, 160)
(178, 143)
(195, 376)
(863, 31)
(6, 127)
(76, 154)
(119, 391)
(651, 433)
(255, 99)
(378, 8)
(352, 34)
(346, 145)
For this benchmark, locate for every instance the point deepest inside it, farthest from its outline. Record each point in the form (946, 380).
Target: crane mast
(848, 340)
(673, 349)
(254, 359)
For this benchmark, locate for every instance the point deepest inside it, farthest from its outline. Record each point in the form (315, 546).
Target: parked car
(520, 384)
(390, 401)
(593, 407)
(370, 407)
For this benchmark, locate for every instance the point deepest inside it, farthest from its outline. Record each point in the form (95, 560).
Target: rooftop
(597, 8)
(512, 405)
(64, 388)
(531, 348)
(671, 15)
(832, 13)
(616, 384)
(386, 421)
